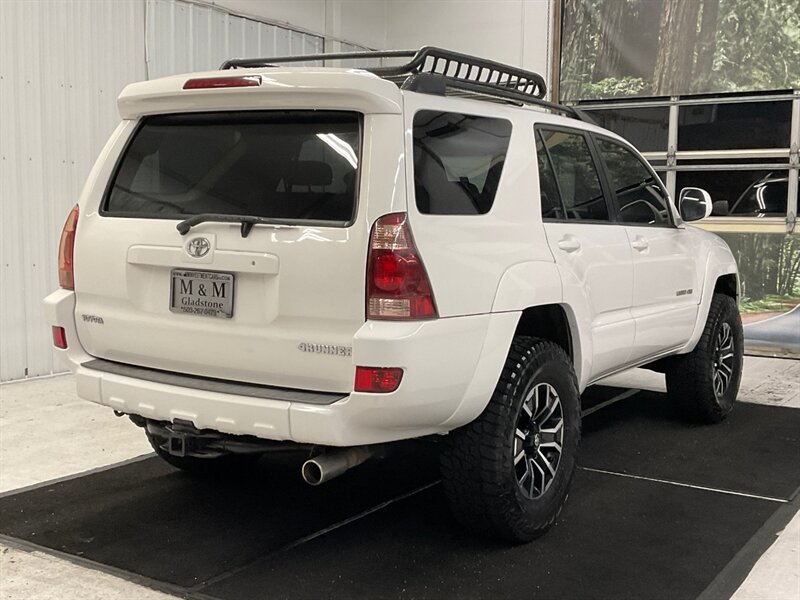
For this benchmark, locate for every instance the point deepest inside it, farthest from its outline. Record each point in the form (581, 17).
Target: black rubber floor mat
(756, 450)
(617, 538)
(149, 519)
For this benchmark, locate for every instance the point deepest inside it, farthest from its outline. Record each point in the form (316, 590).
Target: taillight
(205, 83)
(378, 380)
(66, 249)
(397, 284)
(59, 338)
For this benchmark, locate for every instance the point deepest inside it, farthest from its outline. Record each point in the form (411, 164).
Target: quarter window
(576, 176)
(548, 188)
(458, 160)
(637, 194)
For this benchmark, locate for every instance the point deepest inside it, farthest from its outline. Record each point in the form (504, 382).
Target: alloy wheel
(723, 360)
(538, 440)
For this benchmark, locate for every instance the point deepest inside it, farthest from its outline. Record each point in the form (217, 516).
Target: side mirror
(720, 208)
(694, 204)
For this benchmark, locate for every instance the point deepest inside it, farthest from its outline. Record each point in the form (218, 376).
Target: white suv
(333, 259)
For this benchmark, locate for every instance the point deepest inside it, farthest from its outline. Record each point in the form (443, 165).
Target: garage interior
(659, 509)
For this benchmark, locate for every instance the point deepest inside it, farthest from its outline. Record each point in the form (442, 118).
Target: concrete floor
(36, 416)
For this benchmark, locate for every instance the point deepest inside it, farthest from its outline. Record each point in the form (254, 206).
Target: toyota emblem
(198, 247)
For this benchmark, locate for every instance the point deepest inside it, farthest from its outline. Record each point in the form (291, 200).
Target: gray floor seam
(686, 485)
(315, 535)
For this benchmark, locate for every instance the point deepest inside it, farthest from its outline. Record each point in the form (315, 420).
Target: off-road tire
(479, 474)
(220, 466)
(691, 377)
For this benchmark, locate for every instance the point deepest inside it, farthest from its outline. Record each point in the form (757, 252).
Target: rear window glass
(458, 160)
(296, 165)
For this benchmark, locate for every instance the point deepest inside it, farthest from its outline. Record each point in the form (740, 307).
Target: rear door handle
(640, 244)
(569, 244)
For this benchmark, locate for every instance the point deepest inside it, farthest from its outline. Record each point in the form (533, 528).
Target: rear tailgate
(277, 306)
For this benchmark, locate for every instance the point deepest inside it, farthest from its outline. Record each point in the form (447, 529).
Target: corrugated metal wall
(58, 90)
(183, 37)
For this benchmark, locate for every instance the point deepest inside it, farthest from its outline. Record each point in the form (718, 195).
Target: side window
(638, 195)
(458, 160)
(548, 188)
(578, 182)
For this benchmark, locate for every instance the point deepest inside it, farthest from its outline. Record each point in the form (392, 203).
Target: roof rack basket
(434, 70)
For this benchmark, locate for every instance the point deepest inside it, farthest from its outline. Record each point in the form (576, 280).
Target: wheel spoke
(542, 486)
(519, 457)
(537, 397)
(552, 406)
(718, 384)
(528, 472)
(553, 430)
(520, 434)
(526, 406)
(554, 445)
(546, 462)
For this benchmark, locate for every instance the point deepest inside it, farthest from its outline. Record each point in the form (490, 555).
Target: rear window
(458, 160)
(295, 165)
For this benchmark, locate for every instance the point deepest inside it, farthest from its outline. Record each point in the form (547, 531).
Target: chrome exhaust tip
(325, 467)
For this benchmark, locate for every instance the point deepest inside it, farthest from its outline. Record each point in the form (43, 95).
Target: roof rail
(433, 70)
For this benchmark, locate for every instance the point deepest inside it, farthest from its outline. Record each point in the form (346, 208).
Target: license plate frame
(202, 293)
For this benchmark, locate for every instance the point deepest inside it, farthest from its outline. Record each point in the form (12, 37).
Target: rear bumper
(451, 367)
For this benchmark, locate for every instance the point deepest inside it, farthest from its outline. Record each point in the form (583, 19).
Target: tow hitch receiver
(181, 438)
(177, 444)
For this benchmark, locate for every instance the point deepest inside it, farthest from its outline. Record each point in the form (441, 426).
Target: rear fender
(537, 283)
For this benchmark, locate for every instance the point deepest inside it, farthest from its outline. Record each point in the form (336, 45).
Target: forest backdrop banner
(670, 47)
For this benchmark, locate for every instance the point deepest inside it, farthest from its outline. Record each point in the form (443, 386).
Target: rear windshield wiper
(247, 222)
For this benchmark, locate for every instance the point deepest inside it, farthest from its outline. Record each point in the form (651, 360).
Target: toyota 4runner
(333, 259)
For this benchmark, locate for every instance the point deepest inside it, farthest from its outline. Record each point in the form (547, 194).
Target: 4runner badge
(198, 247)
(325, 349)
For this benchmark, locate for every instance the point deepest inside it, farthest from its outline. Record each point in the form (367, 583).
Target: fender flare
(719, 262)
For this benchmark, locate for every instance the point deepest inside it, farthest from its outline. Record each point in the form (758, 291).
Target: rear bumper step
(207, 384)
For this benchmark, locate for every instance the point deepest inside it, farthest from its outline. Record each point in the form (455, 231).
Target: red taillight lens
(66, 249)
(378, 380)
(397, 284)
(205, 83)
(59, 338)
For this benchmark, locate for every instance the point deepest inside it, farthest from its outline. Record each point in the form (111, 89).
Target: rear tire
(704, 383)
(228, 464)
(507, 474)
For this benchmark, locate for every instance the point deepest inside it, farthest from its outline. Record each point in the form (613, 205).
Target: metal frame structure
(673, 160)
(433, 70)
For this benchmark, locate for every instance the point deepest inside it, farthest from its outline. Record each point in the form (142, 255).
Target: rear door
(665, 279)
(593, 253)
(274, 304)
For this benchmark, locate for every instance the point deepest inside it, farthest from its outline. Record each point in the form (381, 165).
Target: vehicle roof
(298, 87)
(312, 88)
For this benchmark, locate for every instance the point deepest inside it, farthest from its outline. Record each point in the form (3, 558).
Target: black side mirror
(720, 208)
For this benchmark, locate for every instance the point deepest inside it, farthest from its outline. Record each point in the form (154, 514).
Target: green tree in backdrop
(665, 47)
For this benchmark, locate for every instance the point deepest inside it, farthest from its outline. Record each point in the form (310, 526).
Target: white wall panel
(183, 37)
(308, 15)
(516, 32)
(62, 65)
